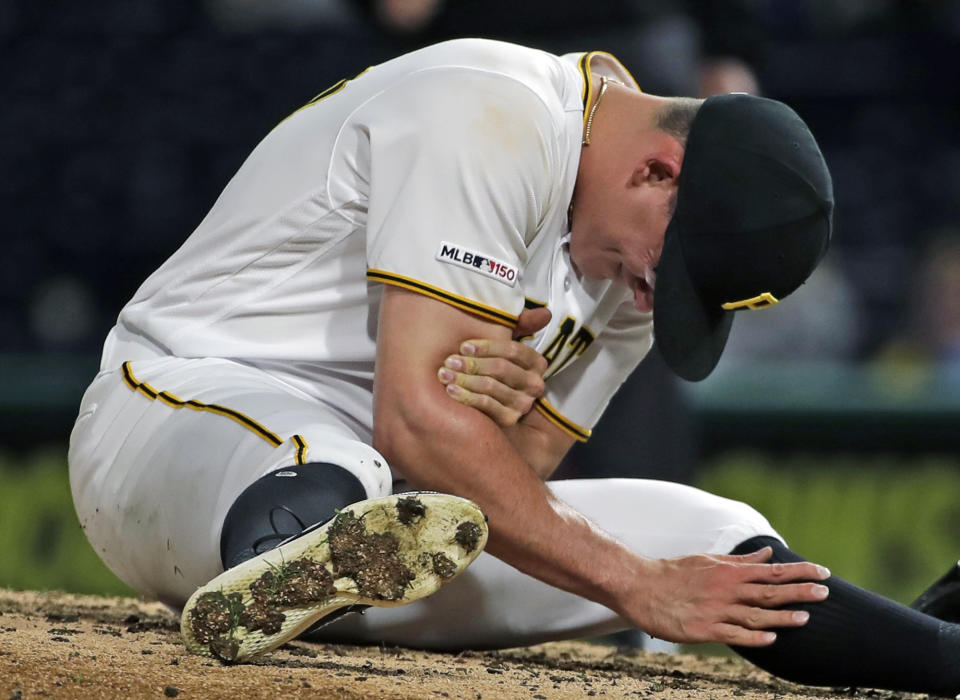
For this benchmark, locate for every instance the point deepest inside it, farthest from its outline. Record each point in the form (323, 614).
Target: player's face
(622, 239)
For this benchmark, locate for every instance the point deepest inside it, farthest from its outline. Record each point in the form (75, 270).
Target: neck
(622, 128)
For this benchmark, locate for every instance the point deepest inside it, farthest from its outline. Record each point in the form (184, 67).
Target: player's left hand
(734, 599)
(501, 378)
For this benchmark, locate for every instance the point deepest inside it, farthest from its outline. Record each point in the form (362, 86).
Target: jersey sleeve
(460, 162)
(575, 398)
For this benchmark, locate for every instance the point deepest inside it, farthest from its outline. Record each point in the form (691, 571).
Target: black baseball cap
(753, 218)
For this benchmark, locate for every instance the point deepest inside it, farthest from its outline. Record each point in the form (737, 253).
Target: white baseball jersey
(448, 171)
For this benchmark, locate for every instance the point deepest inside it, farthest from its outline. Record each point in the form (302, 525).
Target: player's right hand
(501, 378)
(731, 599)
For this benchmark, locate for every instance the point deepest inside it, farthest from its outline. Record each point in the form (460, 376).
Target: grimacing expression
(621, 238)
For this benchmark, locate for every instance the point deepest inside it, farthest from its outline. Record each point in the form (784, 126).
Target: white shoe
(385, 552)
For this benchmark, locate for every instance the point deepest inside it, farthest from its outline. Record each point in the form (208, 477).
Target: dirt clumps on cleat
(410, 509)
(468, 535)
(443, 566)
(379, 552)
(214, 615)
(260, 616)
(370, 559)
(287, 585)
(214, 621)
(295, 583)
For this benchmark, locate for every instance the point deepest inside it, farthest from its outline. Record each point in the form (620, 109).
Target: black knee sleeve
(780, 552)
(858, 638)
(282, 504)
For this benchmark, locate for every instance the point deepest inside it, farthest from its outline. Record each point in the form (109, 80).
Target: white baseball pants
(163, 447)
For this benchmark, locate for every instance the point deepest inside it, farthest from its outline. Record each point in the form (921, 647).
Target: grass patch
(886, 523)
(43, 545)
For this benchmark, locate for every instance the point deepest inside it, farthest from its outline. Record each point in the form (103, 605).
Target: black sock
(283, 504)
(858, 638)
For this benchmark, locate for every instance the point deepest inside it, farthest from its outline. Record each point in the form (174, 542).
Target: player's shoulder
(543, 74)
(491, 54)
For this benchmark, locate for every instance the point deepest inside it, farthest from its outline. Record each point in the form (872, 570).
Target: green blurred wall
(889, 523)
(41, 544)
(886, 523)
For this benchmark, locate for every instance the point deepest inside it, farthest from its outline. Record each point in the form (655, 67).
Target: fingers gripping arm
(500, 377)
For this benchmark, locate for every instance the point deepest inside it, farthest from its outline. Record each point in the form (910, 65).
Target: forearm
(539, 443)
(529, 528)
(440, 444)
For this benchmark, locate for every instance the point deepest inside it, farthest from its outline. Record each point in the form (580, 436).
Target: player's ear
(653, 172)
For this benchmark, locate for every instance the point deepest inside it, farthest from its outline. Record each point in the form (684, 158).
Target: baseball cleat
(942, 599)
(383, 552)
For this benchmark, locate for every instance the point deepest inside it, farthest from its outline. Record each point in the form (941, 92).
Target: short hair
(676, 117)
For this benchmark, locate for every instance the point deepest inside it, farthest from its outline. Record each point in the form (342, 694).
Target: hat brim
(690, 336)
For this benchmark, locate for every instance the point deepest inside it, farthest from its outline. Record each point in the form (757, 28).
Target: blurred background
(837, 412)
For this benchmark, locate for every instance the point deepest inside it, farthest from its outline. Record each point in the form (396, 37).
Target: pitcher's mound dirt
(70, 646)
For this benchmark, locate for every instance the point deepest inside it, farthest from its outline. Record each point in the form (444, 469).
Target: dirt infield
(70, 646)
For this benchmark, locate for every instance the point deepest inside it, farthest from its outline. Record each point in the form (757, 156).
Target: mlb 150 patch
(474, 261)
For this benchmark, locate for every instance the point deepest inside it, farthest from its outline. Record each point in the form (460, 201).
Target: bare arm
(502, 378)
(539, 443)
(499, 376)
(439, 444)
(483, 384)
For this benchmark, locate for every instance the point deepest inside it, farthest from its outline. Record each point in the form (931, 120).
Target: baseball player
(338, 332)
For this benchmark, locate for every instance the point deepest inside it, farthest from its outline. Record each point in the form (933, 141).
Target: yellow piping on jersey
(566, 425)
(587, 94)
(413, 285)
(584, 64)
(302, 448)
(323, 94)
(177, 402)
